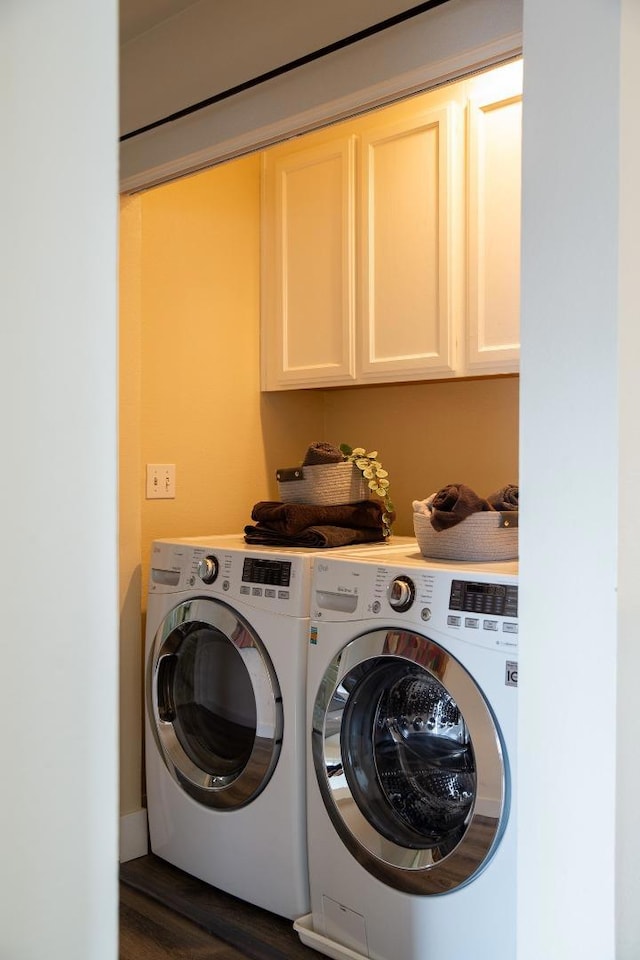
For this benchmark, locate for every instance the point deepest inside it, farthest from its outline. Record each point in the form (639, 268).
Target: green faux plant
(376, 477)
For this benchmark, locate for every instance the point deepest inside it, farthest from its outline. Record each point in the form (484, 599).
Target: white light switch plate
(161, 481)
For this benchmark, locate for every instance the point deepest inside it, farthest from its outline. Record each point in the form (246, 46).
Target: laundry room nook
(356, 285)
(218, 293)
(197, 278)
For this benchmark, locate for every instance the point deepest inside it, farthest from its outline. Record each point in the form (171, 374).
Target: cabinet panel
(495, 129)
(408, 172)
(308, 266)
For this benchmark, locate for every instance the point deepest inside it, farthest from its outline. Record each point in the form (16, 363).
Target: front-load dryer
(411, 700)
(226, 640)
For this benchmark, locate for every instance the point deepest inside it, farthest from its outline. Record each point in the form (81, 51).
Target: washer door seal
(214, 703)
(410, 762)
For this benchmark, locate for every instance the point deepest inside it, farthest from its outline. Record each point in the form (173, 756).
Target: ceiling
(138, 16)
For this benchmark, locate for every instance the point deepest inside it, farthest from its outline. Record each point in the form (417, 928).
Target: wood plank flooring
(167, 913)
(151, 931)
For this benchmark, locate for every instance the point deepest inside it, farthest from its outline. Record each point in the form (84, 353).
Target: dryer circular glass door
(214, 703)
(410, 762)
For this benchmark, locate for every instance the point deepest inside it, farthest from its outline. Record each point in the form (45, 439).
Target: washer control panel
(481, 608)
(469, 596)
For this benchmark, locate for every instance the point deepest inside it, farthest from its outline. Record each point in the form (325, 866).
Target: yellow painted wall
(190, 391)
(129, 507)
(201, 403)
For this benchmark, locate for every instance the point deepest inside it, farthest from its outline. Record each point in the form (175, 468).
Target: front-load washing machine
(411, 700)
(226, 636)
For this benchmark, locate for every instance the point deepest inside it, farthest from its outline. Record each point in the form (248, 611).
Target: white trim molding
(134, 835)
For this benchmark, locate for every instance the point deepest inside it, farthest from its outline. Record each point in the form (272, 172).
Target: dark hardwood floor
(151, 931)
(165, 913)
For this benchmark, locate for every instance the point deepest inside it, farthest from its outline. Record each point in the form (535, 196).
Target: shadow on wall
(291, 420)
(431, 434)
(427, 434)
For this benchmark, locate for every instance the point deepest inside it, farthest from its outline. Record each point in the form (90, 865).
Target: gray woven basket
(482, 536)
(325, 484)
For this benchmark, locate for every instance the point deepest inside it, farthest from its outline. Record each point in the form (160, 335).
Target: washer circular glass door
(214, 703)
(409, 761)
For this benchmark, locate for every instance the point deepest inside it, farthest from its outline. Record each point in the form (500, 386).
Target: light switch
(161, 481)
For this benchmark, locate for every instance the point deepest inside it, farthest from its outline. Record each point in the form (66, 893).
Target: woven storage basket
(482, 536)
(325, 484)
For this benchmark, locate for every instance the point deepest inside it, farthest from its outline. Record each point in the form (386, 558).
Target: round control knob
(208, 569)
(401, 593)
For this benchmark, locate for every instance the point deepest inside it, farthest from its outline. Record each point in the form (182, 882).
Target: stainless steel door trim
(220, 791)
(428, 868)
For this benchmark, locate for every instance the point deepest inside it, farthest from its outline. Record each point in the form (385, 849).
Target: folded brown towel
(506, 498)
(453, 504)
(322, 452)
(316, 536)
(292, 518)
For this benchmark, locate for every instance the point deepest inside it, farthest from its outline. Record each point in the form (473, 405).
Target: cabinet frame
(485, 355)
(279, 369)
(442, 360)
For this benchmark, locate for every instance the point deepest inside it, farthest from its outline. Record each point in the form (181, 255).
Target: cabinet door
(409, 309)
(308, 276)
(493, 283)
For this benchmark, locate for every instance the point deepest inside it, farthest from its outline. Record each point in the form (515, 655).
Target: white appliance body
(411, 703)
(225, 716)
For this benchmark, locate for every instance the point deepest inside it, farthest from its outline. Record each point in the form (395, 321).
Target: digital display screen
(276, 573)
(496, 599)
(492, 589)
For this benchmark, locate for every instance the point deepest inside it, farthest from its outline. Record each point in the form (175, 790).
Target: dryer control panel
(273, 572)
(235, 572)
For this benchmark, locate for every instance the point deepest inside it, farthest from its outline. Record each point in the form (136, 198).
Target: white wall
(628, 776)
(58, 193)
(580, 526)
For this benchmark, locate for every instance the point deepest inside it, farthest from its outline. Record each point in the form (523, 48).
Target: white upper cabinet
(391, 243)
(407, 255)
(308, 266)
(493, 271)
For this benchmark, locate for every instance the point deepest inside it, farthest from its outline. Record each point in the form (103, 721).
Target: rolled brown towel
(506, 498)
(453, 504)
(322, 452)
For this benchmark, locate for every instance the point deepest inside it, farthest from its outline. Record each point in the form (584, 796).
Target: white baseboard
(134, 838)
